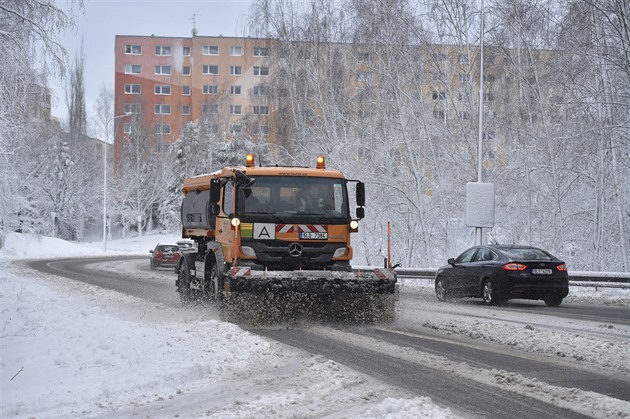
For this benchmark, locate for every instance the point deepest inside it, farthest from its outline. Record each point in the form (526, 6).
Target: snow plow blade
(366, 282)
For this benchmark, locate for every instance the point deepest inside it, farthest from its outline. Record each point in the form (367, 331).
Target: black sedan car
(498, 273)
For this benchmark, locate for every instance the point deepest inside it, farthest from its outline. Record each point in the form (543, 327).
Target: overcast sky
(104, 19)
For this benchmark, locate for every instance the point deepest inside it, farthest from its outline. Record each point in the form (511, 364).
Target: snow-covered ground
(75, 350)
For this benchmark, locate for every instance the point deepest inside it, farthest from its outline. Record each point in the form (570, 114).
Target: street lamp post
(105, 144)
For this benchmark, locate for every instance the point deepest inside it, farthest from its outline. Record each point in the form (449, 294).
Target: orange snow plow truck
(276, 230)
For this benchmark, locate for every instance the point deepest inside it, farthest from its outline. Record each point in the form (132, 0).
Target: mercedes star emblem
(295, 249)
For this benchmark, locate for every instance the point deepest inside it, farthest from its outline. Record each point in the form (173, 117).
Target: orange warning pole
(389, 249)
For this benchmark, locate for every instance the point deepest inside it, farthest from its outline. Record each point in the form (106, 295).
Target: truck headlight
(248, 251)
(354, 225)
(339, 252)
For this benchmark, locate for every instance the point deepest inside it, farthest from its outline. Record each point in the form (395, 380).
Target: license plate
(313, 236)
(541, 271)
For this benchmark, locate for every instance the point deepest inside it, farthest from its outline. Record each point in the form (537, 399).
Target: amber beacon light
(250, 161)
(321, 162)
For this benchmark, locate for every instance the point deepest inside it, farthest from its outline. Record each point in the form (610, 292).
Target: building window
(211, 69)
(236, 70)
(490, 78)
(132, 108)
(464, 59)
(464, 115)
(186, 70)
(364, 76)
(261, 110)
(365, 57)
(438, 95)
(186, 90)
(133, 49)
(439, 114)
(186, 110)
(162, 128)
(261, 71)
(235, 90)
(210, 109)
(262, 130)
(440, 77)
(235, 128)
(132, 89)
(439, 57)
(261, 52)
(235, 109)
(133, 69)
(488, 97)
(161, 50)
(210, 89)
(260, 90)
(463, 78)
(186, 51)
(236, 51)
(162, 109)
(163, 70)
(162, 89)
(210, 50)
(127, 128)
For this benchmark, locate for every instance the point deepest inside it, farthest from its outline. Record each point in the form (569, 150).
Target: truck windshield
(294, 197)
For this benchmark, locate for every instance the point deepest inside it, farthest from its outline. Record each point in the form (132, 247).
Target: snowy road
(524, 358)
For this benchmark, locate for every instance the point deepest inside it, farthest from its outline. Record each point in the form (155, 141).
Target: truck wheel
(183, 284)
(216, 283)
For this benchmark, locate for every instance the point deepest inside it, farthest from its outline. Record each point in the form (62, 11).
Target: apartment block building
(167, 82)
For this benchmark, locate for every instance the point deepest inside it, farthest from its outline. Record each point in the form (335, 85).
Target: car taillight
(514, 267)
(562, 267)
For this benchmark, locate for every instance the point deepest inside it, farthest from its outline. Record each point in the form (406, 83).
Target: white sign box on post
(480, 204)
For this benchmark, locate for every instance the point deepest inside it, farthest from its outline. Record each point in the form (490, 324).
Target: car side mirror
(150, 251)
(451, 261)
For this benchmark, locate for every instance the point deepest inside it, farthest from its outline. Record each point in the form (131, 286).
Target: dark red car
(164, 255)
(498, 273)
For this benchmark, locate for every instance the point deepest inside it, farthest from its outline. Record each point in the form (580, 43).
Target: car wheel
(553, 300)
(441, 291)
(183, 284)
(152, 265)
(490, 293)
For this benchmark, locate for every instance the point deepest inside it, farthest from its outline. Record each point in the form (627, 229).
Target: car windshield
(167, 248)
(294, 196)
(526, 253)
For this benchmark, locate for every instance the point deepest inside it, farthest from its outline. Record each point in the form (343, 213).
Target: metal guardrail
(576, 278)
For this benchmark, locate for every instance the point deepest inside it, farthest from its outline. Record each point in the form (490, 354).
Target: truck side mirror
(360, 213)
(215, 209)
(215, 191)
(360, 194)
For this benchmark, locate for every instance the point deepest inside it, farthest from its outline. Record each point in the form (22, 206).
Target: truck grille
(274, 254)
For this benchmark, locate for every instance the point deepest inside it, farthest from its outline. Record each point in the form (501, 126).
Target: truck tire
(216, 283)
(183, 284)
